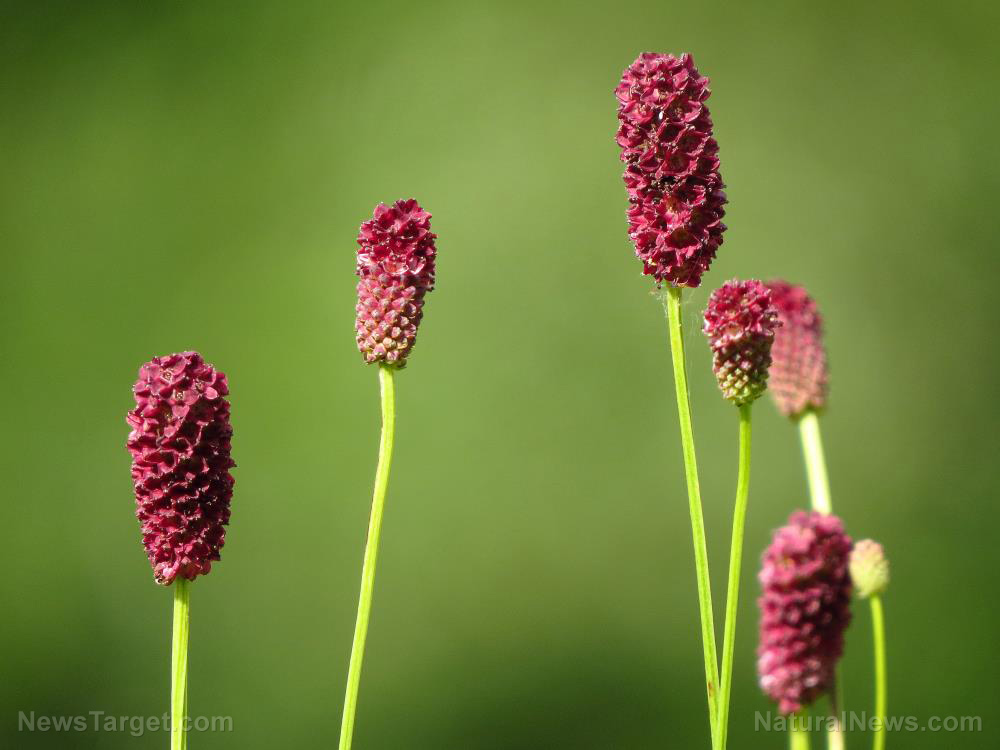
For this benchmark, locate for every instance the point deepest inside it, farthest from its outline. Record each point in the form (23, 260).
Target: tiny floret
(396, 257)
(804, 609)
(180, 443)
(740, 322)
(799, 377)
(869, 568)
(675, 190)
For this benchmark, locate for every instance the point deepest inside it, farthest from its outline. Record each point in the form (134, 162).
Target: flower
(671, 168)
(804, 608)
(396, 265)
(180, 446)
(799, 372)
(869, 568)
(740, 322)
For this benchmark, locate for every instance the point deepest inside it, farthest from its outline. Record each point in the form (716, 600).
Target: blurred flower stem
(878, 632)
(812, 451)
(179, 664)
(387, 388)
(673, 304)
(735, 560)
(798, 730)
(819, 498)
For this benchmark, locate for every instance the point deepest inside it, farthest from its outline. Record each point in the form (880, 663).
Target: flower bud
(396, 267)
(180, 446)
(740, 323)
(869, 568)
(671, 168)
(799, 372)
(804, 609)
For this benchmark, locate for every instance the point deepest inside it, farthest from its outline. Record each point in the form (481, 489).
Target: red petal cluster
(804, 608)
(180, 444)
(396, 265)
(799, 375)
(672, 168)
(740, 322)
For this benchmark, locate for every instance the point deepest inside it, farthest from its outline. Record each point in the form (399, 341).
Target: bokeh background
(191, 176)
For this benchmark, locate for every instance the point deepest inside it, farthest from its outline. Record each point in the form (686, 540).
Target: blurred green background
(191, 176)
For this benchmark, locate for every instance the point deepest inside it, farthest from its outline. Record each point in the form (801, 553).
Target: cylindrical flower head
(869, 568)
(804, 608)
(180, 446)
(799, 372)
(396, 266)
(740, 322)
(671, 168)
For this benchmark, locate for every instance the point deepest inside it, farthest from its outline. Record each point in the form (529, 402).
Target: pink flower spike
(804, 608)
(799, 373)
(671, 160)
(396, 258)
(180, 444)
(740, 324)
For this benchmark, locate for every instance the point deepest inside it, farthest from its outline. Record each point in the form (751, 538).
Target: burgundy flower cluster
(180, 442)
(804, 608)
(396, 265)
(740, 322)
(672, 168)
(799, 373)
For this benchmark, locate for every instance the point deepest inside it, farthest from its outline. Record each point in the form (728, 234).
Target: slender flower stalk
(878, 633)
(694, 506)
(387, 387)
(870, 575)
(740, 322)
(798, 730)
(735, 560)
(396, 267)
(179, 665)
(815, 460)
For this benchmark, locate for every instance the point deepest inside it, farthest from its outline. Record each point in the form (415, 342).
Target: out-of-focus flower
(799, 372)
(869, 568)
(804, 608)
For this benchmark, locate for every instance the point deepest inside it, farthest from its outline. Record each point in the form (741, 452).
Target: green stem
(735, 560)
(835, 730)
(878, 630)
(812, 450)
(819, 497)
(798, 731)
(694, 503)
(371, 555)
(179, 664)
